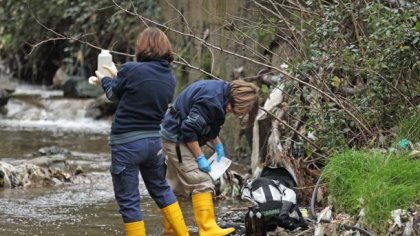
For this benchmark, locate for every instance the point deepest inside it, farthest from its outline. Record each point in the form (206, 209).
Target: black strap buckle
(178, 151)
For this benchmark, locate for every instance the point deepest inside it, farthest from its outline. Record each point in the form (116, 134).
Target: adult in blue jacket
(196, 117)
(143, 90)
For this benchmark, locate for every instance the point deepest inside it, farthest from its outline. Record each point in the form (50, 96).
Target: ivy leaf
(335, 81)
(418, 26)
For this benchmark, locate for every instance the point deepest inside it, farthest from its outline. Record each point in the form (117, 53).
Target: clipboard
(218, 168)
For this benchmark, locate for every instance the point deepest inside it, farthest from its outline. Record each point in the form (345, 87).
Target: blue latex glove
(220, 151)
(203, 164)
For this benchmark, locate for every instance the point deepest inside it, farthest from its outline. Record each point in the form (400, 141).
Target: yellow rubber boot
(173, 222)
(135, 229)
(167, 229)
(203, 209)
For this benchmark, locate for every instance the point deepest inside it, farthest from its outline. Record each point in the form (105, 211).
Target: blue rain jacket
(201, 108)
(144, 90)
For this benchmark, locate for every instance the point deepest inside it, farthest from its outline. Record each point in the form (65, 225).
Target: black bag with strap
(277, 203)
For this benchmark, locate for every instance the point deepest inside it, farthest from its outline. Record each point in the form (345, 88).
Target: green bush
(369, 48)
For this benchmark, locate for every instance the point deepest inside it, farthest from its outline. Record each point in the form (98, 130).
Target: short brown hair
(244, 100)
(152, 43)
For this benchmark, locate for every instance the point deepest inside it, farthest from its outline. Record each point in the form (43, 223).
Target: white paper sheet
(218, 168)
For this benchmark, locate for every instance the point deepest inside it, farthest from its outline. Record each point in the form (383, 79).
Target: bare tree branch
(295, 131)
(209, 45)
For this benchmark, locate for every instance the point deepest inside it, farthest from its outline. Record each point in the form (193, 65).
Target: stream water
(39, 118)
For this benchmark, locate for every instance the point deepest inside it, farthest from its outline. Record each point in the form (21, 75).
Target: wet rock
(235, 219)
(58, 161)
(78, 87)
(45, 170)
(6, 91)
(7, 175)
(50, 157)
(52, 150)
(56, 181)
(30, 175)
(4, 97)
(79, 171)
(101, 108)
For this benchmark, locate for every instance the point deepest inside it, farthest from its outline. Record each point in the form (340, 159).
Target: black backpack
(277, 203)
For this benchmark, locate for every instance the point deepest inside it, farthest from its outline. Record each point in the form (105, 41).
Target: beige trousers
(185, 178)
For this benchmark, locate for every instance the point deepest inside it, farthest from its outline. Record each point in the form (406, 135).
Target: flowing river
(39, 118)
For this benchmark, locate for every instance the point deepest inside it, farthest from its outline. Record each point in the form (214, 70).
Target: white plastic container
(104, 58)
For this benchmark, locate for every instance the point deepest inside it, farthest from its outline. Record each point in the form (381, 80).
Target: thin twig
(185, 63)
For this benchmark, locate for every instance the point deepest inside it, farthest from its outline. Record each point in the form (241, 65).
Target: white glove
(111, 69)
(96, 80)
(99, 75)
(93, 80)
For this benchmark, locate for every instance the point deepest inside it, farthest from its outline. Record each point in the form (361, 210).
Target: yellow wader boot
(203, 209)
(135, 229)
(167, 229)
(173, 222)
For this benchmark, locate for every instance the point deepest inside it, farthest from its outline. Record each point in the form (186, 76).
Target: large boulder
(79, 87)
(6, 91)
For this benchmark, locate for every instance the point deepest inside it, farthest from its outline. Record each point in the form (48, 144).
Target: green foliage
(25, 23)
(379, 183)
(267, 34)
(369, 48)
(360, 45)
(206, 62)
(409, 128)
